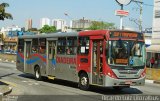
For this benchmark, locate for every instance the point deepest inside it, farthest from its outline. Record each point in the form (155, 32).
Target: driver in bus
(135, 49)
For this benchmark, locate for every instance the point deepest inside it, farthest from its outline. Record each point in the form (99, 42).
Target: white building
(28, 24)
(13, 28)
(156, 23)
(8, 41)
(44, 21)
(60, 24)
(81, 23)
(154, 49)
(155, 41)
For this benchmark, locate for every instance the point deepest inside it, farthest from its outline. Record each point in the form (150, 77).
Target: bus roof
(74, 34)
(93, 32)
(49, 35)
(101, 32)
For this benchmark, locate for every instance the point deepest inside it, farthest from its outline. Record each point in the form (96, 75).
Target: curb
(157, 82)
(7, 91)
(149, 81)
(5, 88)
(152, 81)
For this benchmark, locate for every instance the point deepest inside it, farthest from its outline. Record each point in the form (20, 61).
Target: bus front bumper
(123, 82)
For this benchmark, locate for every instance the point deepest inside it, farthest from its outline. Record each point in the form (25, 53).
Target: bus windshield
(126, 53)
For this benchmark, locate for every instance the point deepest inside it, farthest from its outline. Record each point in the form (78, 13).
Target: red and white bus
(102, 57)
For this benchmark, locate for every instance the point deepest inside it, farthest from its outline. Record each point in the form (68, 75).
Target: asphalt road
(26, 86)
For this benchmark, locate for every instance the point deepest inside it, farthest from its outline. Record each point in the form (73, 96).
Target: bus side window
(35, 46)
(42, 45)
(101, 56)
(71, 48)
(21, 45)
(83, 47)
(61, 47)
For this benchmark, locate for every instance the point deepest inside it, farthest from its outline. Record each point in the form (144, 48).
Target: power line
(145, 3)
(150, 5)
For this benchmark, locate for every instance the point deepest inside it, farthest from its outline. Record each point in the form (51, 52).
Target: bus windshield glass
(126, 53)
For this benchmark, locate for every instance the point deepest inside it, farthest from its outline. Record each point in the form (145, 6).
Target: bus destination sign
(126, 35)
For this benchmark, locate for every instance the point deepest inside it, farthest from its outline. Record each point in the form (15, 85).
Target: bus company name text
(130, 35)
(66, 60)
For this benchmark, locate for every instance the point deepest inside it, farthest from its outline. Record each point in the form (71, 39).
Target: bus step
(51, 77)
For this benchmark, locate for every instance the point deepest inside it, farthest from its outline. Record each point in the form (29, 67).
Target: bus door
(20, 58)
(27, 53)
(51, 57)
(97, 62)
(83, 57)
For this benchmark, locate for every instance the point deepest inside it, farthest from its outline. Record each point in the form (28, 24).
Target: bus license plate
(128, 82)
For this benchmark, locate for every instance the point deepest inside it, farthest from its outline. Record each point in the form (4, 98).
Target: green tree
(3, 14)
(101, 25)
(48, 29)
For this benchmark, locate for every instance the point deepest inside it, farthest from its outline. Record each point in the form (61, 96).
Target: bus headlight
(111, 73)
(143, 73)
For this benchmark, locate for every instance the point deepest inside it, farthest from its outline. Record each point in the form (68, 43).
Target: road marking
(9, 83)
(36, 83)
(31, 82)
(51, 77)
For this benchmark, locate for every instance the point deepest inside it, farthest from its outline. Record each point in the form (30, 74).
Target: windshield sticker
(131, 62)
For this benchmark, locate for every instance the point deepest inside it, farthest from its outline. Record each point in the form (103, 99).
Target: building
(148, 38)
(154, 49)
(44, 21)
(10, 45)
(11, 31)
(156, 25)
(29, 24)
(60, 24)
(81, 23)
(9, 39)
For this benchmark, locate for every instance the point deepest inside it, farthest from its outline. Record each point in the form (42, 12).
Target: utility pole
(140, 4)
(121, 19)
(140, 17)
(83, 21)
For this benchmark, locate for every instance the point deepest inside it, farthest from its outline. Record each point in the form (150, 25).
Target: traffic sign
(121, 13)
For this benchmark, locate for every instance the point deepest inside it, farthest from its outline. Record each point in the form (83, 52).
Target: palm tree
(3, 14)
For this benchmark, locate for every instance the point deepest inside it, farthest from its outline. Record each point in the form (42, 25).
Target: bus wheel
(83, 82)
(37, 73)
